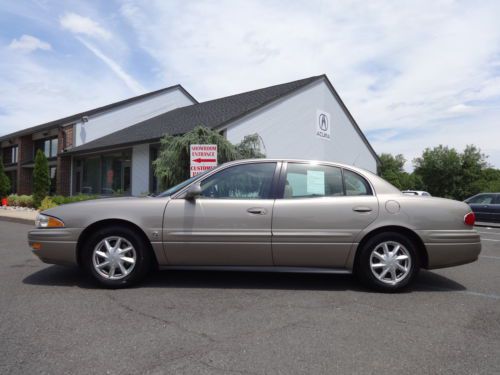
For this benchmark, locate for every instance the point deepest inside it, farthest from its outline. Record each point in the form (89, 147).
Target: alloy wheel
(390, 262)
(114, 258)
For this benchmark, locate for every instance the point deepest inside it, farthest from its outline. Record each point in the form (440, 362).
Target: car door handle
(362, 209)
(257, 211)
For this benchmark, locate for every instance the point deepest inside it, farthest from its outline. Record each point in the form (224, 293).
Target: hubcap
(114, 258)
(390, 262)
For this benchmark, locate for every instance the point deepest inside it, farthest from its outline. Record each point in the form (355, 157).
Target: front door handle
(362, 209)
(257, 211)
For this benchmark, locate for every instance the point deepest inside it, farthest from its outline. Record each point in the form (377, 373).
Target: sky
(414, 74)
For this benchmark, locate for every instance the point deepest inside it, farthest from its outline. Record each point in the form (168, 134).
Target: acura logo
(323, 122)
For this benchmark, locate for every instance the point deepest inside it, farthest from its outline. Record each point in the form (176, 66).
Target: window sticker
(316, 182)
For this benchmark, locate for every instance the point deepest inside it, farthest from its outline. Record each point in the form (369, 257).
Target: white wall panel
(140, 169)
(125, 116)
(288, 129)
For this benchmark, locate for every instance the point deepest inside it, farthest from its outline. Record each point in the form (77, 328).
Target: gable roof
(78, 116)
(212, 114)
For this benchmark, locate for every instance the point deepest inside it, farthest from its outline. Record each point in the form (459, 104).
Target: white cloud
(28, 43)
(82, 25)
(413, 68)
(131, 83)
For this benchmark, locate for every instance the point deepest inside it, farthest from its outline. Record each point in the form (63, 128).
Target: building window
(10, 155)
(14, 154)
(48, 146)
(107, 174)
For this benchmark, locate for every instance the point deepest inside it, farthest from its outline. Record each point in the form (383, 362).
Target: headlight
(44, 221)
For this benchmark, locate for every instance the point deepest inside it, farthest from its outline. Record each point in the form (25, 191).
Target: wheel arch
(86, 233)
(410, 234)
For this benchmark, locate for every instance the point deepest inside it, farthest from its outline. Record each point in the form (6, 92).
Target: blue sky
(414, 74)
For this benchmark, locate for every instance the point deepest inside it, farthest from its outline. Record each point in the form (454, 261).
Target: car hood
(132, 209)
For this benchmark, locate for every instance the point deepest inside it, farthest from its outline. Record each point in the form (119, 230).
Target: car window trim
(282, 179)
(181, 193)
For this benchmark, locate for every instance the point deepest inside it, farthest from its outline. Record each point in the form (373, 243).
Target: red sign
(203, 157)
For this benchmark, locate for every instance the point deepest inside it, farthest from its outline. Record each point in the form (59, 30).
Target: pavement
(55, 320)
(18, 216)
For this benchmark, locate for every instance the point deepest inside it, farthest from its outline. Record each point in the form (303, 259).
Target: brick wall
(63, 174)
(25, 175)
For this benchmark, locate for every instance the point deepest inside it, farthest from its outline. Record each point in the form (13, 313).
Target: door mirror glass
(193, 192)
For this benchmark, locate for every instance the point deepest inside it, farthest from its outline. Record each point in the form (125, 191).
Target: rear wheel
(388, 262)
(116, 257)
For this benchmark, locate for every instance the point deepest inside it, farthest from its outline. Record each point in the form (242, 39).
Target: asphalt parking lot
(55, 320)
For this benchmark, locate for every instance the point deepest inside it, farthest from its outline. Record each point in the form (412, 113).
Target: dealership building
(110, 149)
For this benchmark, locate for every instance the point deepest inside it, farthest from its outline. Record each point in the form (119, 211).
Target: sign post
(203, 157)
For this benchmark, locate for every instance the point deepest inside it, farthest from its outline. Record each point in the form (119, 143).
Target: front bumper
(451, 248)
(55, 246)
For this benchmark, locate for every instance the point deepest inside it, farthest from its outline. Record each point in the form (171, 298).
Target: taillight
(470, 218)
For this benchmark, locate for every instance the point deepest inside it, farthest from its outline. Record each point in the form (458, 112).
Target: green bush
(4, 182)
(25, 201)
(46, 204)
(41, 178)
(13, 200)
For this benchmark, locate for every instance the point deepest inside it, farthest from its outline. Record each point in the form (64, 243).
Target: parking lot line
(489, 239)
(489, 256)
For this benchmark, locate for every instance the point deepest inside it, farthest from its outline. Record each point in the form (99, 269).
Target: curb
(17, 220)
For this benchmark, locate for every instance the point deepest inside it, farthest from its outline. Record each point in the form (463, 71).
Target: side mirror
(193, 192)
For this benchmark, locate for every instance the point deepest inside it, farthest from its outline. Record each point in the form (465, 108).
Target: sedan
(486, 206)
(263, 215)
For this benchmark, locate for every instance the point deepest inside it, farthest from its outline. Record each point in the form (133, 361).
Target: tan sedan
(263, 215)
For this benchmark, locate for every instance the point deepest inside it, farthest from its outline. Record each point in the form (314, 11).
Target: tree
(391, 169)
(172, 165)
(249, 147)
(440, 171)
(41, 178)
(473, 162)
(4, 182)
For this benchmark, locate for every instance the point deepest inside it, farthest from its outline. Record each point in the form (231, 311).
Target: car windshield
(176, 188)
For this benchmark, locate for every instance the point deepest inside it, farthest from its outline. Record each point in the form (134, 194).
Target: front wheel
(388, 262)
(116, 257)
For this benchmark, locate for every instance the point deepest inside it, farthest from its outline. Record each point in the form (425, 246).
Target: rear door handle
(257, 211)
(362, 209)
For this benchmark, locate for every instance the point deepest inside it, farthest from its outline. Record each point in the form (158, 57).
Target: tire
(116, 257)
(388, 262)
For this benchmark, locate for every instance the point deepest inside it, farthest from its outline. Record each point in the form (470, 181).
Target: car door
(228, 224)
(321, 210)
(495, 209)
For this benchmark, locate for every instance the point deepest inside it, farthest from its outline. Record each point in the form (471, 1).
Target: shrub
(26, 201)
(47, 203)
(13, 200)
(4, 182)
(41, 178)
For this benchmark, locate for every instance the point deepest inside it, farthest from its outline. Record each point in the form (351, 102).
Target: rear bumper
(55, 246)
(451, 248)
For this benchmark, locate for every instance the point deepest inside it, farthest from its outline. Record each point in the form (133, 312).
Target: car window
(309, 180)
(481, 199)
(246, 181)
(176, 188)
(355, 184)
(425, 194)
